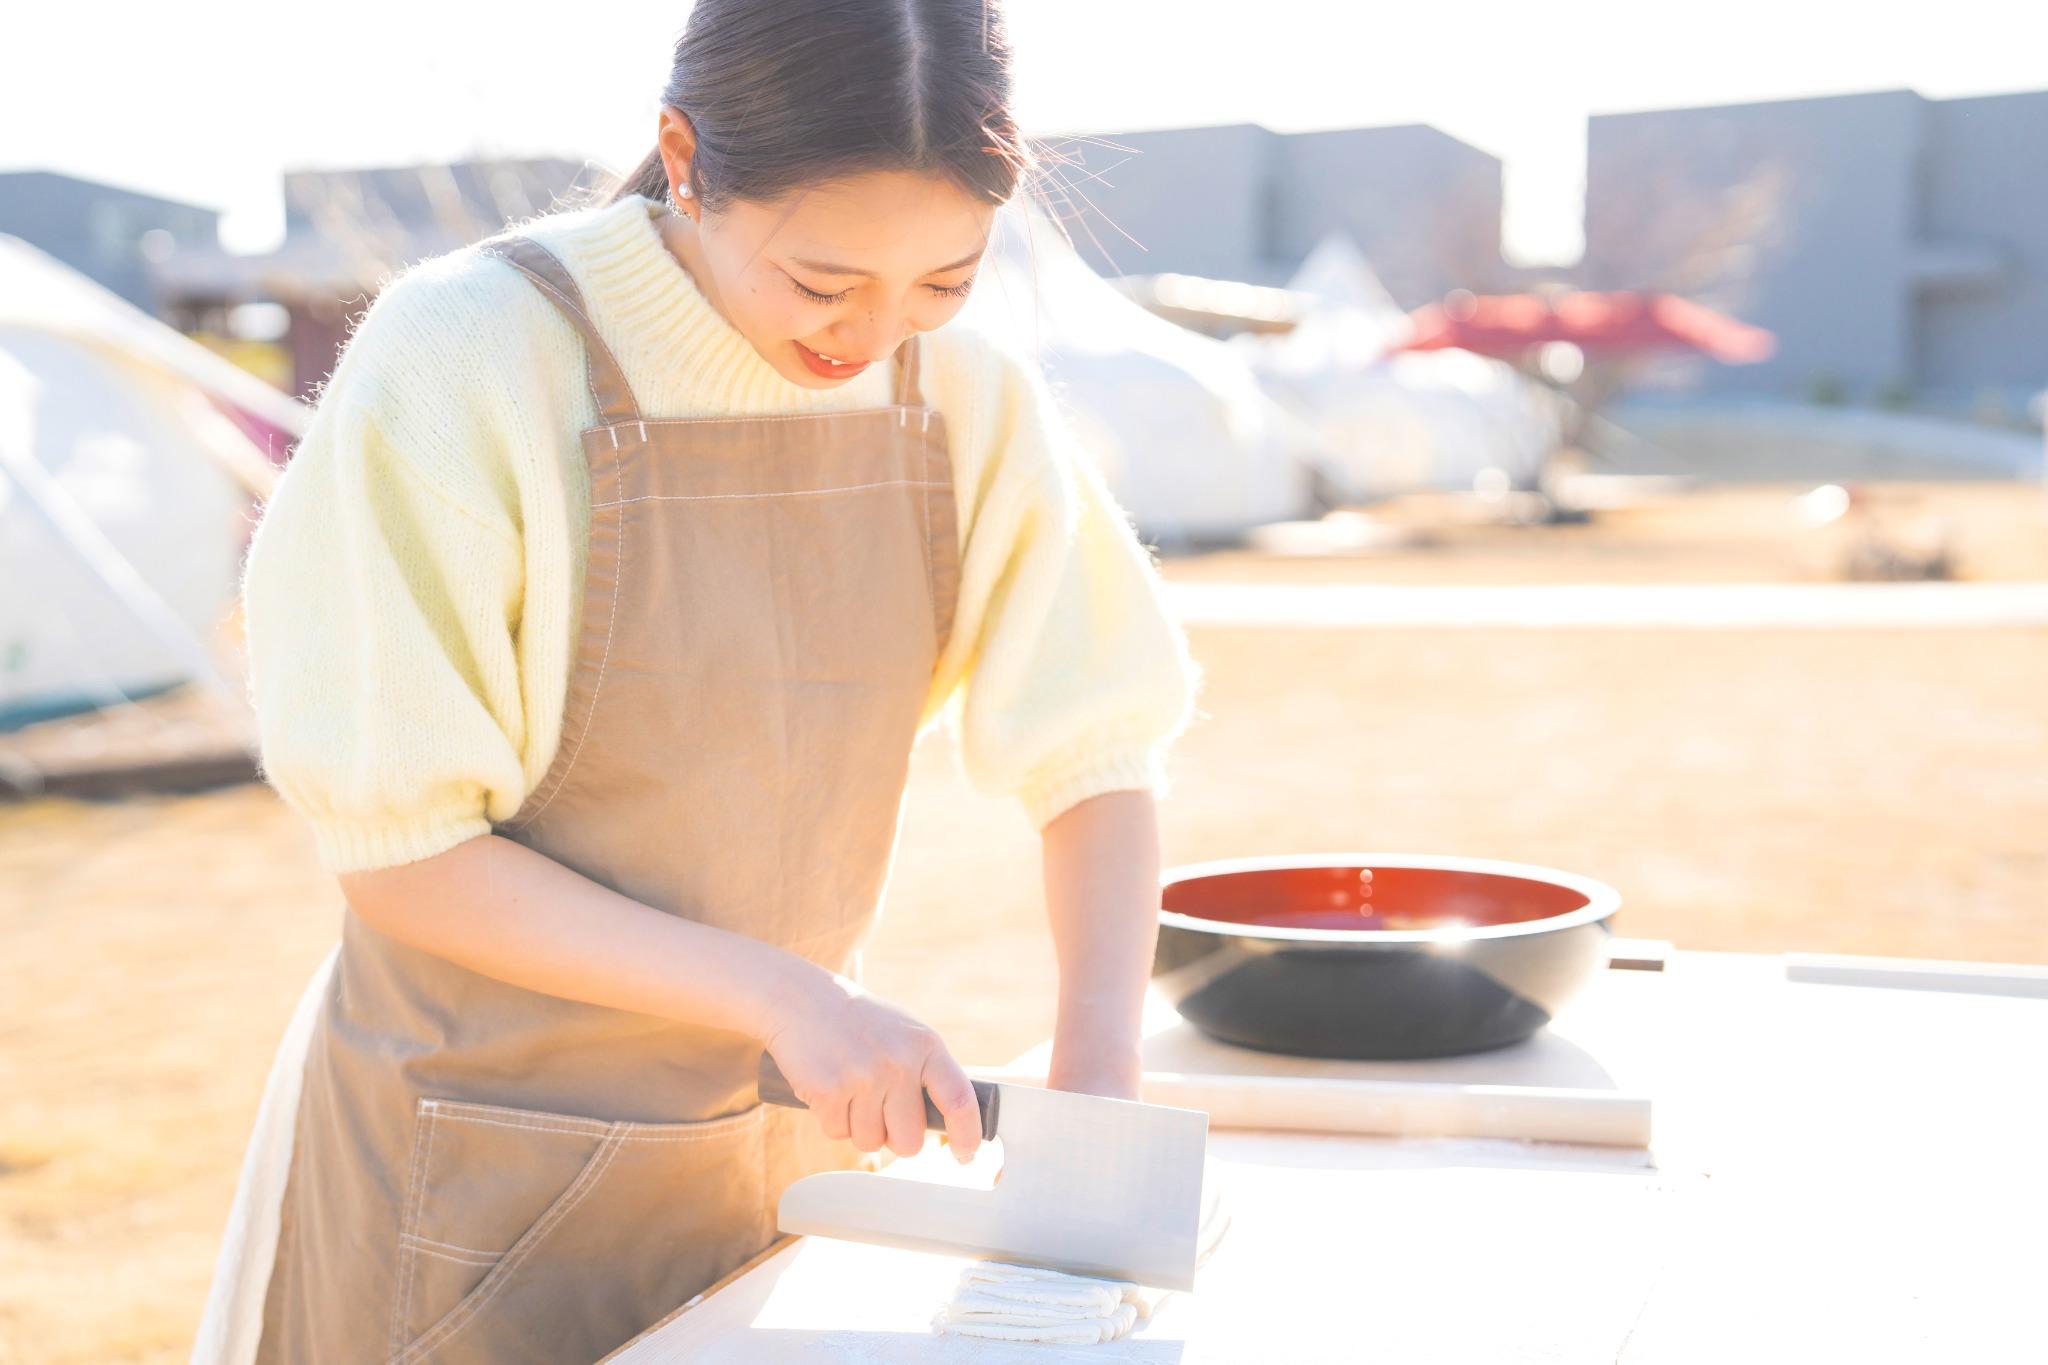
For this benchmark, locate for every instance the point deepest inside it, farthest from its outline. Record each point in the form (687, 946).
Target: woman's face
(847, 270)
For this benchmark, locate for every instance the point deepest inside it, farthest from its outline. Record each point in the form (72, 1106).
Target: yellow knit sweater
(411, 594)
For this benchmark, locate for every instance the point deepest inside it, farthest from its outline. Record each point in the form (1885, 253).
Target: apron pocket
(531, 1235)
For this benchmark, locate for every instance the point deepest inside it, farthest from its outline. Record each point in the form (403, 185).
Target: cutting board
(1586, 1078)
(1608, 1037)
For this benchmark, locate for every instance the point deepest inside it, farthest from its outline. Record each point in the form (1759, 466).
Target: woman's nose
(868, 343)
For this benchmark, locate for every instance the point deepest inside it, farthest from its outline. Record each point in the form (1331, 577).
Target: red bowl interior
(1354, 898)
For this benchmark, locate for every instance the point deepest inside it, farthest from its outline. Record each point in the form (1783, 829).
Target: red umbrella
(1622, 322)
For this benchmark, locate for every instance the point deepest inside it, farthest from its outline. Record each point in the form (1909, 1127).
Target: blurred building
(1242, 202)
(1896, 245)
(346, 231)
(282, 313)
(105, 233)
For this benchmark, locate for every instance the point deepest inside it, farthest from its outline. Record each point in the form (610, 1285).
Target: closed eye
(814, 294)
(959, 290)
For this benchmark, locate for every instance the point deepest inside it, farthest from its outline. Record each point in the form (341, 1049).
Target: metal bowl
(1376, 955)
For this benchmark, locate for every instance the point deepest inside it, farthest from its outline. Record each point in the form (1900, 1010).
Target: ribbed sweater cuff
(1134, 767)
(346, 846)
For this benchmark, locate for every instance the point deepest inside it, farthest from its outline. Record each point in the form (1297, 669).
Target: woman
(591, 629)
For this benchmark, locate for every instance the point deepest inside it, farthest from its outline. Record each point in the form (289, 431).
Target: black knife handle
(775, 1090)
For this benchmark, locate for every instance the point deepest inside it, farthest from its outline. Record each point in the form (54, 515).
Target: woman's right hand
(862, 1066)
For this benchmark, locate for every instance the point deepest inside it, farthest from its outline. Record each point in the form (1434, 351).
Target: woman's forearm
(497, 907)
(1102, 866)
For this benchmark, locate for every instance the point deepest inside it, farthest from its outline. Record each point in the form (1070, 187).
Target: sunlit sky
(211, 107)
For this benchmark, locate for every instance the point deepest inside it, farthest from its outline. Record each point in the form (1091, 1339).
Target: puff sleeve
(1080, 677)
(380, 598)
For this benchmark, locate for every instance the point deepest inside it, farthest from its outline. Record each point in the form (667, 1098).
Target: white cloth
(233, 1320)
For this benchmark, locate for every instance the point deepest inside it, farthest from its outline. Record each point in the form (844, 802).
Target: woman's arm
(497, 907)
(1102, 867)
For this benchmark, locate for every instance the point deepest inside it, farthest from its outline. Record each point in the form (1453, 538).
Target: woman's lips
(819, 365)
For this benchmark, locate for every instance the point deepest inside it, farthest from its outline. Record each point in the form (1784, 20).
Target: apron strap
(608, 387)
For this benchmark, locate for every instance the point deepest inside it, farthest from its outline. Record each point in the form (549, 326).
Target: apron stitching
(786, 493)
(412, 1263)
(925, 531)
(628, 1135)
(402, 1302)
(481, 1259)
(463, 1112)
(596, 688)
(535, 1127)
(424, 1242)
(944, 600)
(422, 1348)
(885, 410)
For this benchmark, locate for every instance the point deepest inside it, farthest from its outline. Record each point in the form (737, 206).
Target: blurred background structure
(1710, 559)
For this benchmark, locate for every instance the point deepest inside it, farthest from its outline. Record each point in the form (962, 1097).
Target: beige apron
(483, 1173)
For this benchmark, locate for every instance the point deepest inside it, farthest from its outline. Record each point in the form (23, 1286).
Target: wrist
(794, 987)
(1096, 1070)
(1110, 1029)
(1111, 1022)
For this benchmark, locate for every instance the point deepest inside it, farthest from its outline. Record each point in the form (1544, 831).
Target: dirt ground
(1854, 791)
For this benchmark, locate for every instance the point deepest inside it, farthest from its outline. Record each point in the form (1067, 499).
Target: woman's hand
(862, 1065)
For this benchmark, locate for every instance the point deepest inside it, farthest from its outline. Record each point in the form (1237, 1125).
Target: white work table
(1837, 1173)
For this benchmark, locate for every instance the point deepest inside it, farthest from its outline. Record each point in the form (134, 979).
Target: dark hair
(785, 93)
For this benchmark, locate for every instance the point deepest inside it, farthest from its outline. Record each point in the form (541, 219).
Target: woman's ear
(677, 142)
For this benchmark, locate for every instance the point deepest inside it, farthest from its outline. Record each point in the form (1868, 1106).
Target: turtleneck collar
(680, 354)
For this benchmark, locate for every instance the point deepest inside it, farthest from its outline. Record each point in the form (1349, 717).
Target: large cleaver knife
(1090, 1185)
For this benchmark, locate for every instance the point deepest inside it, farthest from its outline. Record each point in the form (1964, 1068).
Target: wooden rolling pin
(1912, 974)
(1326, 1104)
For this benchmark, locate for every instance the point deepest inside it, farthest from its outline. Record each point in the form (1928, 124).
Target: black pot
(1370, 955)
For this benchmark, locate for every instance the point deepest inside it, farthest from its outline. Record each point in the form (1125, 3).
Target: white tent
(1352, 322)
(123, 491)
(1187, 438)
(1419, 419)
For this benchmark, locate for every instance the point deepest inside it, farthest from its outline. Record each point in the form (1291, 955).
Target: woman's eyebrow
(825, 269)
